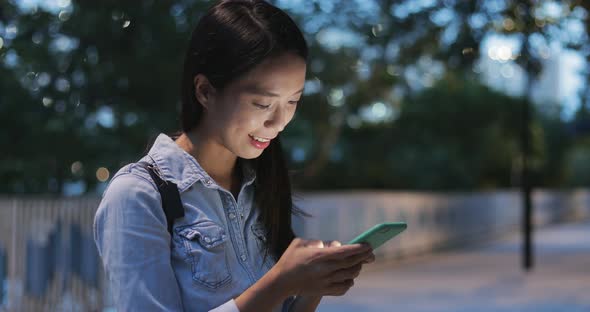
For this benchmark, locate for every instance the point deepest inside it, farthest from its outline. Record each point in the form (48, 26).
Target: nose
(278, 119)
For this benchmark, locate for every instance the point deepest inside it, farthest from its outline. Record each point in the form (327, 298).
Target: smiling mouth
(259, 139)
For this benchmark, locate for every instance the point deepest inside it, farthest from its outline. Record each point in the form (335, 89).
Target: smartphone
(380, 233)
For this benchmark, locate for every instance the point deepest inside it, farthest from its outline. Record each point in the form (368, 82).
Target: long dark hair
(230, 40)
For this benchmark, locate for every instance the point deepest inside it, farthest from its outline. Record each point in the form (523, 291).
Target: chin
(250, 154)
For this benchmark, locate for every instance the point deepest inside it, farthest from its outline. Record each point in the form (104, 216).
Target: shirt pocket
(204, 244)
(259, 232)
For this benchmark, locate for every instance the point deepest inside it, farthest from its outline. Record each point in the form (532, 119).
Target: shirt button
(243, 257)
(232, 216)
(207, 239)
(209, 182)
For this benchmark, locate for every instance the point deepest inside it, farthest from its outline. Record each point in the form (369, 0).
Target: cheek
(288, 117)
(247, 121)
(228, 115)
(291, 115)
(222, 114)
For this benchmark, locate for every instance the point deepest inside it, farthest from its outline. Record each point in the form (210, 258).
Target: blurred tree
(84, 86)
(458, 134)
(577, 171)
(411, 44)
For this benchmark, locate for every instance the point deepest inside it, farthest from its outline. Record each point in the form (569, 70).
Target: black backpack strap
(171, 203)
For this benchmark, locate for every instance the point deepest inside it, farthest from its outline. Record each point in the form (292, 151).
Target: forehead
(282, 76)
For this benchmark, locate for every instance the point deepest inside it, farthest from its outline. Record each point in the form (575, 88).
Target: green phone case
(380, 233)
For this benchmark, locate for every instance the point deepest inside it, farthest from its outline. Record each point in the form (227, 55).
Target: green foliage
(456, 135)
(578, 164)
(126, 63)
(118, 85)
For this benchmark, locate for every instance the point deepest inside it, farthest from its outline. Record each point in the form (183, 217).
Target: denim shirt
(214, 254)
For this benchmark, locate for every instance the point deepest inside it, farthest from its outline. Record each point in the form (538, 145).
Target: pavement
(487, 278)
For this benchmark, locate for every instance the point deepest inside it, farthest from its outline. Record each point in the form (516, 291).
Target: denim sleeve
(134, 244)
(229, 306)
(288, 303)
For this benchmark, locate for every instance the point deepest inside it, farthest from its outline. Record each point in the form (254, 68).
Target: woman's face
(255, 108)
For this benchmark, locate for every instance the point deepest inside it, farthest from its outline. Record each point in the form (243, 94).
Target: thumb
(315, 243)
(334, 244)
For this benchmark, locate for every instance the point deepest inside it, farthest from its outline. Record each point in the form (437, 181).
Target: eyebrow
(259, 91)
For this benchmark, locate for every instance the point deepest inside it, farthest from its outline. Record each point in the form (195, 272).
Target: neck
(215, 159)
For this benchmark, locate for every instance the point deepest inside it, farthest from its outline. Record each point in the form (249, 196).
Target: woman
(233, 249)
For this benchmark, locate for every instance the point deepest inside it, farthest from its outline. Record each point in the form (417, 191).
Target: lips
(258, 144)
(260, 137)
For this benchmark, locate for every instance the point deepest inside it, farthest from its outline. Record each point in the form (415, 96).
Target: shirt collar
(180, 167)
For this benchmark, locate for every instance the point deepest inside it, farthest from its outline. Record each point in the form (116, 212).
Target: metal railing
(49, 262)
(51, 259)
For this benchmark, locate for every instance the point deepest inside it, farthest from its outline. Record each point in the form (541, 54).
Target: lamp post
(525, 181)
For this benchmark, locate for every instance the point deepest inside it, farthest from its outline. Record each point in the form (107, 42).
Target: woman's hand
(314, 268)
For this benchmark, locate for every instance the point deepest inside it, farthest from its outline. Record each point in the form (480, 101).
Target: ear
(204, 91)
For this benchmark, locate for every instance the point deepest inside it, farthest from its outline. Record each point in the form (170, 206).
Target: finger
(350, 260)
(314, 243)
(339, 289)
(334, 244)
(339, 252)
(346, 274)
(370, 259)
(298, 241)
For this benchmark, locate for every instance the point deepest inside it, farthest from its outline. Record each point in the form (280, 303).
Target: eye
(261, 106)
(293, 102)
